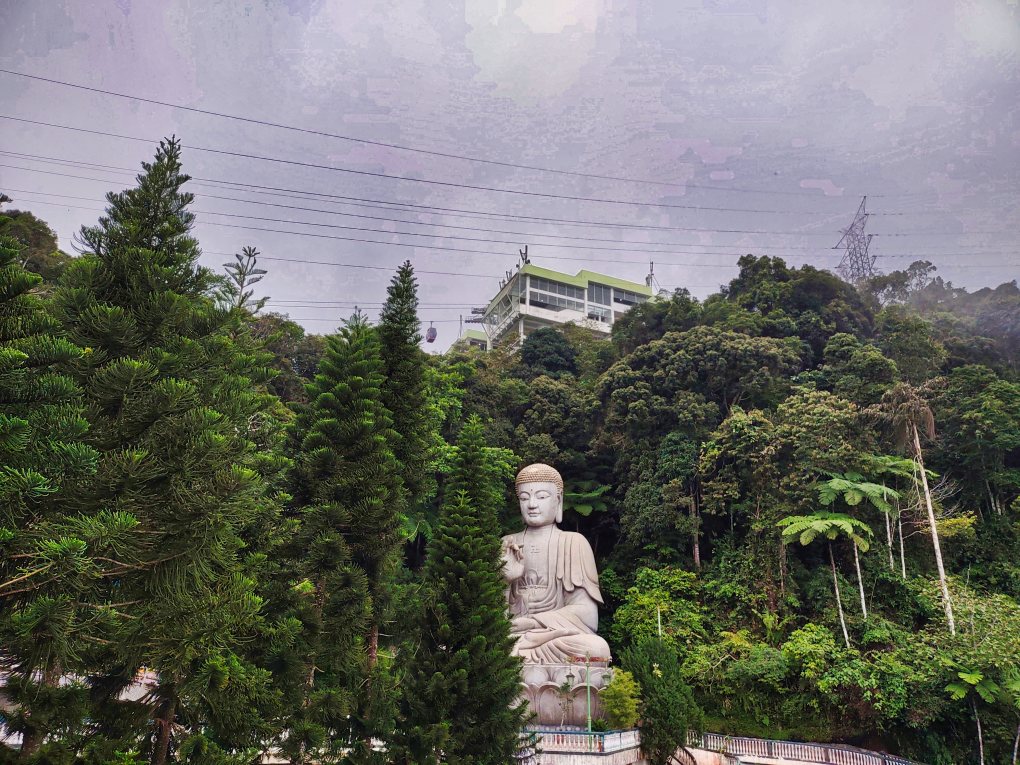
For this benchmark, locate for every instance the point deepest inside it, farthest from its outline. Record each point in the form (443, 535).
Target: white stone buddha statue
(553, 585)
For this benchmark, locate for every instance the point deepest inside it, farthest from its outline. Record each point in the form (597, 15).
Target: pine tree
(462, 685)
(404, 388)
(43, 570)
(174, 399)
(347, 489)
(242, 274)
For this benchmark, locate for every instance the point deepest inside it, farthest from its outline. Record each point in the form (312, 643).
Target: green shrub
(620, 700)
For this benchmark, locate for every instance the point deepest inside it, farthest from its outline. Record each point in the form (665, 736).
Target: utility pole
(587, 682)
(651, 281)
(857, 265)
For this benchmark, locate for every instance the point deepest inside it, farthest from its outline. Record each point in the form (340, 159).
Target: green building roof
(582, 279)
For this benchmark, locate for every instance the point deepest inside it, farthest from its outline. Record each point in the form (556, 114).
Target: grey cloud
(912, 104)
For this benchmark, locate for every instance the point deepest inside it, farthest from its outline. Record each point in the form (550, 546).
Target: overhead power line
(399, 147)
(525, 234)
(482, 240)
(428, 246)
(429, 181)
(673, 246)
(409, 244)
(390, 269)
(390, 205)
(317, 196)
(328, 263)
(456, 249)
(432, 209)
(416, 270)
(446, 249)
(528, 236)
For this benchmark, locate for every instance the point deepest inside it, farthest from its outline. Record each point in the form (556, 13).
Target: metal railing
(824, 754)
(566, 741)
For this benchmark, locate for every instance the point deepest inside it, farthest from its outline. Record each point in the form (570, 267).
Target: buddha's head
(540, 492)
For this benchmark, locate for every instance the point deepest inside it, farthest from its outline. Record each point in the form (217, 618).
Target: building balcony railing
(496, 329)
(605, 742)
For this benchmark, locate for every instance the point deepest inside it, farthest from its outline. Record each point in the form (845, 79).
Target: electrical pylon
(857, 265)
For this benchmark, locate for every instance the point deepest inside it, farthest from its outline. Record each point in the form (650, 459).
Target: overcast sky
(777, 116)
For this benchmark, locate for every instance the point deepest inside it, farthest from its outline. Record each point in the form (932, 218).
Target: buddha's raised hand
(513, 561)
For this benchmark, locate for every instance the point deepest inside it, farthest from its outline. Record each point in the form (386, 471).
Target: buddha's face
(541, 503)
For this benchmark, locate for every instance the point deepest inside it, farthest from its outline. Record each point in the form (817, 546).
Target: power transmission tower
(857, 265)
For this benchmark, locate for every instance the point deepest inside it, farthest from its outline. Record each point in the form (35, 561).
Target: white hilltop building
(533, 297)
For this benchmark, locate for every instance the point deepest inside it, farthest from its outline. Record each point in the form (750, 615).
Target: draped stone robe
(562, 594)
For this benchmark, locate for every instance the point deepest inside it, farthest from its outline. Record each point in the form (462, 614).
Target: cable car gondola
(430, 334)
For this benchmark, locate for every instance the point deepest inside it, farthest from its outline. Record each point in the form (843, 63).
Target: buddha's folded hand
(521, 624)
(536, 637)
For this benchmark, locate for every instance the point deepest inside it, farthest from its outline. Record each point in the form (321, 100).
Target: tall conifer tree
(404, 386)
(44, 565)
(173, 397)
(462, 686)
(348, 491)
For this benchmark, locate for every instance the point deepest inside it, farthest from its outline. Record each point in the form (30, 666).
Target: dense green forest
(816, 487)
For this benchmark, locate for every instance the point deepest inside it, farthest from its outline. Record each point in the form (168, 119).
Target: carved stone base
(552, 704)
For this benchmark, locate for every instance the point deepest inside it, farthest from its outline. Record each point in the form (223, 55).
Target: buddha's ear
(559, 508)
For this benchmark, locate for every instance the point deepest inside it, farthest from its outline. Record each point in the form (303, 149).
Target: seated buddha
(553, 585)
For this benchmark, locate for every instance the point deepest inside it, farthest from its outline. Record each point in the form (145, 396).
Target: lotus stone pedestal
(558, 693)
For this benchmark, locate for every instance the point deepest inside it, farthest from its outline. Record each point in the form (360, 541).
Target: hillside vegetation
(758, 450)
(812, 488)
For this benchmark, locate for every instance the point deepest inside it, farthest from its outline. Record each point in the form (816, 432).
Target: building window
(600, 293)
(556, 288)
(554, 302)
(598, 313)
(626, 297)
